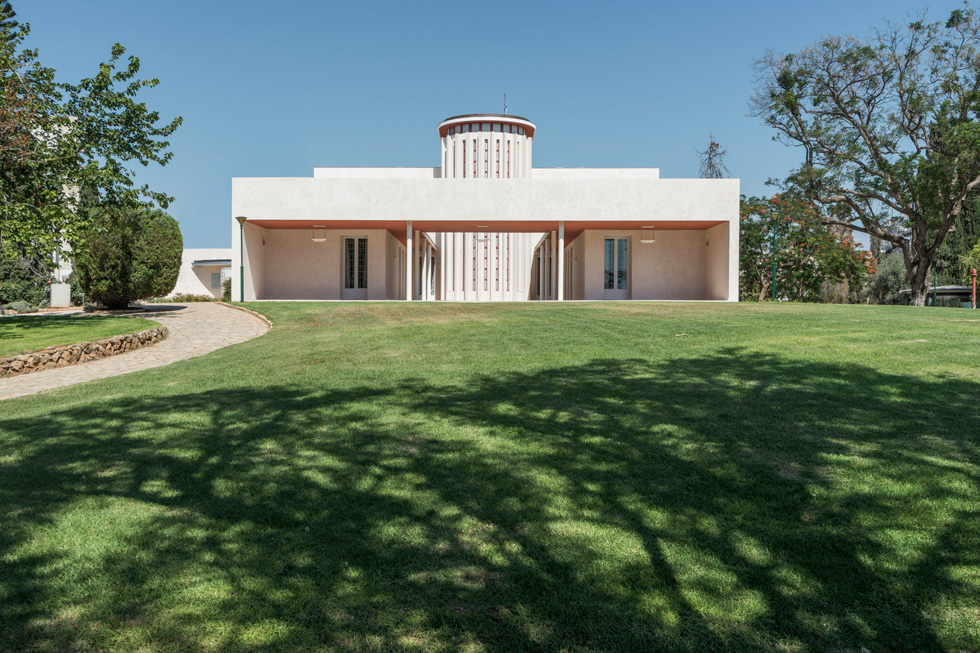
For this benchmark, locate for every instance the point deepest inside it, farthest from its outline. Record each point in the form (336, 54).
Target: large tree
(784, 239)
(63, 145)
(888, 127)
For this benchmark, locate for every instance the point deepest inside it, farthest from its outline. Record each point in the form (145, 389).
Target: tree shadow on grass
(737, 501)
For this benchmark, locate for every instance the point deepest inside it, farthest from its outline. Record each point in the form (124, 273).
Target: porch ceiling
(573, 228)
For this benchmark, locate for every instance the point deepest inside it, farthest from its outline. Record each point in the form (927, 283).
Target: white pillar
(415, 263)
(543, 270)
(429, 272)
(409, 250)
(441, 260)
(561, 261)
(425, 269)
(554, 265)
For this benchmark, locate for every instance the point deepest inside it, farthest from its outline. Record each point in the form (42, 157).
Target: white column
(561, 260)
(441, 260)
(425, 269)
(415, 262)
(409, 249)
(554, 265)
(542, 266)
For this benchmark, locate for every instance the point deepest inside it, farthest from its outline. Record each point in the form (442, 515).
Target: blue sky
(274, 89)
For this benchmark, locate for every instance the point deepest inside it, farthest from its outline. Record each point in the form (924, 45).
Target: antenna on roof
(505, 101)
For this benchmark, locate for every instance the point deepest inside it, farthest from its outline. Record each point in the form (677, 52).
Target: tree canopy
(64, 145)
(888, 128)
(790, 232)
(128, 253)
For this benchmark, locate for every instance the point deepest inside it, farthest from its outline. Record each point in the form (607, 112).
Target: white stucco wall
(376, 173)
(595, 173)
(295, 267)
(290, 198)
(716, 263)
(254, 262)
(575, 257)
(197, 281)
(671, 268)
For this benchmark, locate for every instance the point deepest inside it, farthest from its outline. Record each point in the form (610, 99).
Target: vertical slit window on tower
(498, 159)
(474, 261)
(486, 157)
(464, 158)
(496, 263)
(508, 161)
(507, 259)
(474, 163)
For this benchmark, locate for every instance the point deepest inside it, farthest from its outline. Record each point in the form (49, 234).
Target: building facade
(485, 226)
(202, 271)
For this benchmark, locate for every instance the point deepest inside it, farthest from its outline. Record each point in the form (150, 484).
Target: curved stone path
(195, 329)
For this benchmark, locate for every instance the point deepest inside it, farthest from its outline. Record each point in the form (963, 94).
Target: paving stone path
(195, 329)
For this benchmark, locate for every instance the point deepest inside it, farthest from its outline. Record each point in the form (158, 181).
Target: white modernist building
(485, 226)
(202, 271)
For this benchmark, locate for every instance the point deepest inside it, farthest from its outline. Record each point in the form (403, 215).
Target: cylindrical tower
(486, 146)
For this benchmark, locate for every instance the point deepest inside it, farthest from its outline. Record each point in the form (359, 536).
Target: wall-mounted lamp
(707, 239)
(319, 233)
(647, 235)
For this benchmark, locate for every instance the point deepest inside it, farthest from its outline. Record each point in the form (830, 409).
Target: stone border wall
(66, 355)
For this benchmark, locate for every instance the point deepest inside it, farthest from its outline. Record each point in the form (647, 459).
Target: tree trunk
(917, 266)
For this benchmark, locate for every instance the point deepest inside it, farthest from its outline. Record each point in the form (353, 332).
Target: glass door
(355, 268)
(616, 269)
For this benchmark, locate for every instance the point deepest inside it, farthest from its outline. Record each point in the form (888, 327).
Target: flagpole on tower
(505, 101)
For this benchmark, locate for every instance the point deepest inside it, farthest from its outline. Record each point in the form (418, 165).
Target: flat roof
(212, 261)
(529, 127)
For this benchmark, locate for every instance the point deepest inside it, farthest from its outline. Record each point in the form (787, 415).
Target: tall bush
(23, 279)
(128, 253)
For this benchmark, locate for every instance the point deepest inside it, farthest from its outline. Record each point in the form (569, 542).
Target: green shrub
(23, 279)
(128, 254)
(226, 290)
(20, 307)
(183, 299)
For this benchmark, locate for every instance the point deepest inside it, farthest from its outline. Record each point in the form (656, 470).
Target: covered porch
(486, 260)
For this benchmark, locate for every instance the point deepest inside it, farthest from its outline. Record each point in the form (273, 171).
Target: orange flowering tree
(791, 232)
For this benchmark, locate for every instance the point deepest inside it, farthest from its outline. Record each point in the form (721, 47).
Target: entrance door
(355, 268)
(616, 272)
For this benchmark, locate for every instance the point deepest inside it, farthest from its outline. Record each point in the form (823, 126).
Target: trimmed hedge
(129, 254)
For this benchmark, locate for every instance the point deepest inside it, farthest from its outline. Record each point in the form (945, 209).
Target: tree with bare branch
(713, 160)
(889, 130)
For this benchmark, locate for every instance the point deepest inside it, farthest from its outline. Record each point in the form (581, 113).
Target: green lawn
(510, 477)
(23, 333)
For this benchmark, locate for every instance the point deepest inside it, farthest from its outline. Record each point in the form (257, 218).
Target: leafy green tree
(888, 279)
(970, 261)
(67, 145)
(953, 261)
(23, 279)
(128, 254)
(806, 251)
(888, 127)
(8, 26)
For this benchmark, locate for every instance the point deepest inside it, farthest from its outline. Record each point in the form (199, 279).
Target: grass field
(24, 333)
(510, 477)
